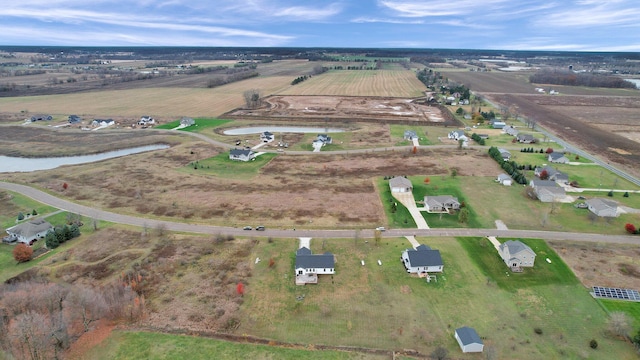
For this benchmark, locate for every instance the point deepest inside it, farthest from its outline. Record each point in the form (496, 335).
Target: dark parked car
(247, 228)
(260, 228)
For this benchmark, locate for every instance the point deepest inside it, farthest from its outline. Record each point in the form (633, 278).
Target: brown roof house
(29, 231)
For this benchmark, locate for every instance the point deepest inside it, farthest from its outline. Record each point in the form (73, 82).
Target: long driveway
(99, 214)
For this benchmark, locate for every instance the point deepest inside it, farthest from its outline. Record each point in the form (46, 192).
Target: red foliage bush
(631, 229)
(22, 253)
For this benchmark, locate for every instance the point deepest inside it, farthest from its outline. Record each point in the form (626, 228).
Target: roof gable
(468, 336)
(424, 257)
(317, 261)
(400, 181)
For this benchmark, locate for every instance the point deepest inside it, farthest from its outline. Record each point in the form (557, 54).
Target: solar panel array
(616, 293)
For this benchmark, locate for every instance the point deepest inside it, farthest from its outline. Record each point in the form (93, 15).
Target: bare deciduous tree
(619, 324)
(252, 98)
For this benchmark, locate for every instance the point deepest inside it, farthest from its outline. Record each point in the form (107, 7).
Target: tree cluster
(252, 98)
(566, 77)
(61, 234)
(477, 139)
(510, 167)
(299, 79)
(40, 320)
(237, 76)
(531, 150)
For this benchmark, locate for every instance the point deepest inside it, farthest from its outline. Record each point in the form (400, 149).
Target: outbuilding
(469, 340)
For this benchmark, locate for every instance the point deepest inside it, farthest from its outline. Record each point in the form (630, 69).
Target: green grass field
(123, 345)
(201, 124)
(221, 166)
(398, 218)
(632, 309)
(397, 135)
(383, 307)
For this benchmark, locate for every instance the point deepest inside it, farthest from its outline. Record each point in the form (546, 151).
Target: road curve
(99, 214)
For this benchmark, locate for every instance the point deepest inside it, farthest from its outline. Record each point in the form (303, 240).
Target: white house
(510, 130)
(187, 121)
(525, 138)
(102, 122)
(241, 154)
(309, 266)
(422, 260)
(324, 138)
(29, 231)
(457, 135)
(410, 135)
(400, 184)
(558, 158)
(504, 179)
(516, 254)
(469, 340)
(441, 203)
(498, 125)
(603, 207)
(146, 121)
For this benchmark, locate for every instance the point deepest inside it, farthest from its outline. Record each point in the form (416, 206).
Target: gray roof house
(29, 231)
(516, 254)
(456, 135)
(525, 138)
(309, 266)
(410, 135)
(498, 125)
(422, 260)
(267, 136)
(552, 173)
(325, 138)
(74, 119)
(400, 184)
(187, 121)
(441, 203)
(241, 154)
(506, 155)
(558, 158)
(603, 207)
(510, 130)
(504, 179)
(469, 340)
(549, 193)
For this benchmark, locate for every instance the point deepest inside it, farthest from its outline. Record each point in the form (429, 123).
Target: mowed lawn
(221, 166)
(123, 345)
(381, 306)
(395, 83)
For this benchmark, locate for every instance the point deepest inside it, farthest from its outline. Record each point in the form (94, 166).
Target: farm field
(598, 120)
(384, 83)
(168, 103)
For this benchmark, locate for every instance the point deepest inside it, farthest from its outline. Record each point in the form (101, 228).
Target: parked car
(381, 228)
(247, 228)
(260, 228)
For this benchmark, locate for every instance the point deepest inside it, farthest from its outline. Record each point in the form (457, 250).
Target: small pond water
(19, 164)
(280, 129)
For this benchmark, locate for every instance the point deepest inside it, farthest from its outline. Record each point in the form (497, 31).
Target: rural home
(525, 138)
(41, 118)
(241, 154)
(74, 119)
(547, 190)
(558, 158)
(504, 179)
(410, 135)
(267, 136)
(102, 122)
(187, 121)
(603, 207)
(309, 266)
(400, 184)
(498, 125)
(510, 130)
(422, 260)
(468, 340)
(506, 155)
(29, 231)
(457, 135)
(146, 121)
(441, 203)
(324, 138)
(516, 254)
(552, 173)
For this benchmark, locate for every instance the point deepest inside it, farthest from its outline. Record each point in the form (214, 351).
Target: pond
(19, 164)
(280, 129)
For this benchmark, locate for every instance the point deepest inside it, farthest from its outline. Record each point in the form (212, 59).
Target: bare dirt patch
(342, 107)
(612, 265)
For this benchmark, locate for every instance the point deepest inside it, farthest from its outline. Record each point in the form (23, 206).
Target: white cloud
(302, 13)
(430, 8)
(362, 20)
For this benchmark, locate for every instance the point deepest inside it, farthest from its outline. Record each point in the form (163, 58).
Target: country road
(99, 214)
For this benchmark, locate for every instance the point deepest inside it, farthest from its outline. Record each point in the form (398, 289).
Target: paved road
(99, 214)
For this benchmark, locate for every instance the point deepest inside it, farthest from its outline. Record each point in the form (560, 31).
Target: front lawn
(201, 124)
(221, 166)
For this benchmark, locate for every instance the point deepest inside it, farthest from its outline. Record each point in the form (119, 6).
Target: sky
(560, 25)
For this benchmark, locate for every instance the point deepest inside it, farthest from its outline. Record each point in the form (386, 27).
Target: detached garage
(468, 340)
(400, 184)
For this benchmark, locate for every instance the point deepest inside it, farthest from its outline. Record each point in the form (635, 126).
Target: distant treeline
(8, 73)
(565, 77)
(232, 78)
